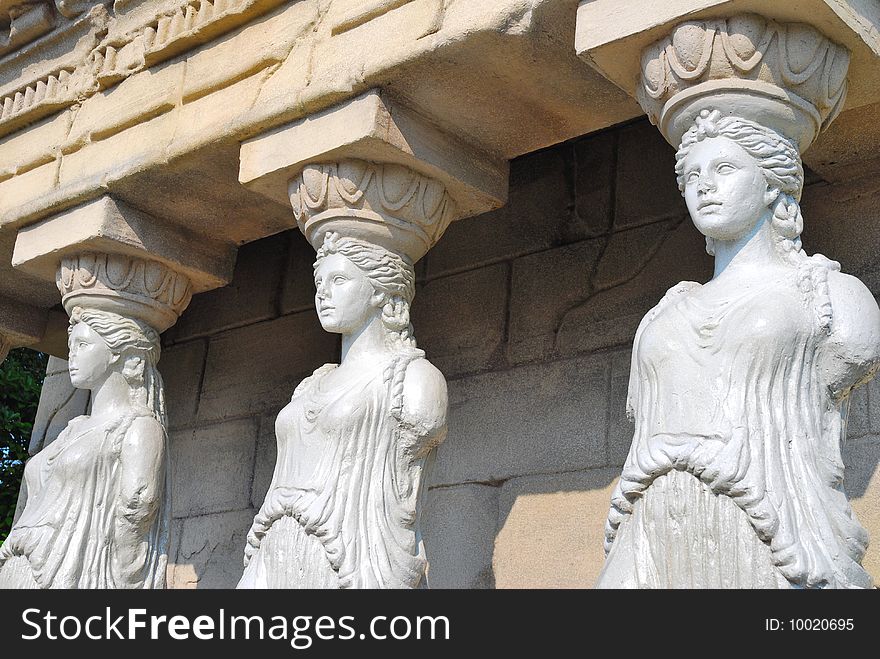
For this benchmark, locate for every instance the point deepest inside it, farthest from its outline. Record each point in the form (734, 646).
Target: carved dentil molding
(787, 76)
(162, 35)
(387, 204)
(132, 287)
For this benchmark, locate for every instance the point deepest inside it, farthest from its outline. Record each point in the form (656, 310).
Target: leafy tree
(21, 378)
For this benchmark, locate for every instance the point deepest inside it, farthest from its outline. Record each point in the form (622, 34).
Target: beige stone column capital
(386, 204)
(372, 169)
(790, 66)
(106, 255)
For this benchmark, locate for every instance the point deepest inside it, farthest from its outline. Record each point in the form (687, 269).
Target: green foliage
(21, 378)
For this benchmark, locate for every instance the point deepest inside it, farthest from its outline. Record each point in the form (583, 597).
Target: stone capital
(106, 255)
(790, 66)
(370, 168)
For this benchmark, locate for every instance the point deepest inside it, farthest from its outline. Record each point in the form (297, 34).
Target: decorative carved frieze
(118, 55)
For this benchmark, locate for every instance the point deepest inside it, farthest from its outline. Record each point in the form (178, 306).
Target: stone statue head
(734, 173)
(357, 281)
(102, 343)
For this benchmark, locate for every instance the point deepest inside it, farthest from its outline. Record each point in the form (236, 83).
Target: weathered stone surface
(841, 221)
(620, 428)
(862, 486)
(279, 354)
(858, 422)
(59, 403)
(638, 280)
(459, 320)
(264, 462)
(646, 185)
(532, 419)
(544, 286)
(593, 180)
(298, 280)
(459, 525)
(182, 368)
(210, 550)
(213, 467)
(539, 204)
(250, 297)
(551, 529)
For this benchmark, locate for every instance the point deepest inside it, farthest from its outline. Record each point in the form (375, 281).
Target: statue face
(90, 357)
(725, 189)
(344, 297)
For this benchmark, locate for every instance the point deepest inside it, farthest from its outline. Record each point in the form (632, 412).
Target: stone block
(59, 403)
(137, 148)
(25, 150)
(858, 422)
(264, 463)
(250, 297)
(459, 525)
(593, 177)
(551, 530)
(255, 369)
(646, 187)
(636, 280)
(212, 468)
(843, 223)
(532, 419)
(459, 320)
(210, 551)
(136, 99)
(620, 428)
(539, 204)
(862, 486)
(202, 121)
(544, 286)
(182, 367)
(298, 282)
(25, 188)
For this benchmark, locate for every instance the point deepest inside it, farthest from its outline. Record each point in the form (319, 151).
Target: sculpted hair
(778, 159)
(780, 162)
(390, 274)
(133, 337)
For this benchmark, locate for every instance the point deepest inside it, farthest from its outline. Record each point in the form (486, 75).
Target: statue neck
(112, 397)
(365, 344)
(753, 249)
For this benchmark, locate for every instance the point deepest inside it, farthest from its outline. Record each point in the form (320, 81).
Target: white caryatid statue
(98, 505)
(343, 507)
(739, 387)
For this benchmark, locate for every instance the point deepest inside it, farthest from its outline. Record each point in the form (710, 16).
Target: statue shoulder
(145, 436)
(852, 348)
(855, 315)
(425, 395)
(319, 372)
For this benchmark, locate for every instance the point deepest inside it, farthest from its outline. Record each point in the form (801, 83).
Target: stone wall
(530, 312)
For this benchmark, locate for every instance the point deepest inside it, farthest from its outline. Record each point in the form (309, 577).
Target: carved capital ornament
(785, 76)
(132, 287)
(385, 204)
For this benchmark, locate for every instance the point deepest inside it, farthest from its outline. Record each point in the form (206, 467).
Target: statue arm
(852, 352)
(141, 484)
(425, 404)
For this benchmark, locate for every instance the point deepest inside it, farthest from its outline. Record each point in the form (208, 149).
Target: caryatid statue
(98, 506)
(739, 387)
(343, 508)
